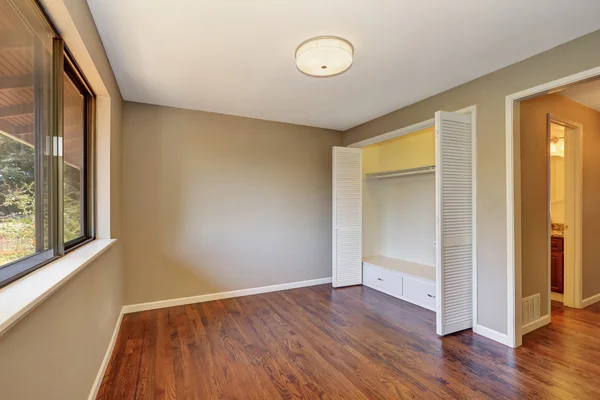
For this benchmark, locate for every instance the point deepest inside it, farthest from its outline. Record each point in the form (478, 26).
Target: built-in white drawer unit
(382, 279)
(405, 280)
(419, 291)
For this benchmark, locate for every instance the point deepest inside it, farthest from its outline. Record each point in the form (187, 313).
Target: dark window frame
(73, 72)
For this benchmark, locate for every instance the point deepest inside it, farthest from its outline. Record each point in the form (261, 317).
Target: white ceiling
(237, 57)
(587, 94)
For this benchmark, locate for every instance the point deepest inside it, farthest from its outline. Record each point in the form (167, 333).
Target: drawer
(386, 280)
(419, 291)
(557, 244)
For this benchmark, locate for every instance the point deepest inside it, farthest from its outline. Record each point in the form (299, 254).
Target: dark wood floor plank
(145, 384)
(111, 374)
(227, 357)
(165, 359)
(419, 356)
(280, 380)
(242, 357)
(322, 326)
(351, 343)
(295, 347)
(128, 370)
(413, 351)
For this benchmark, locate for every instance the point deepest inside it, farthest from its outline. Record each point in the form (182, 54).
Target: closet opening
(399, 217)
(404, 216)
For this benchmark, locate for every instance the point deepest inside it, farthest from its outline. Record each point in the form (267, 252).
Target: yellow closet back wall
(414, 150)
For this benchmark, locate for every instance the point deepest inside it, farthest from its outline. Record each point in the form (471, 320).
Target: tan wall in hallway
(489, 93)
(216, 203)
(534, 203)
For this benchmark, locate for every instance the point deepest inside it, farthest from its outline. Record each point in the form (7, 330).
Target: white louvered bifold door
(454, 221)
(347, 216)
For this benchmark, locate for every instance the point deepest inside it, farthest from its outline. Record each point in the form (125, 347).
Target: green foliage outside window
(17, 200)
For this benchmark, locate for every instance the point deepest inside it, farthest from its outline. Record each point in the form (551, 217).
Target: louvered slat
(454, 209)
(347, 217)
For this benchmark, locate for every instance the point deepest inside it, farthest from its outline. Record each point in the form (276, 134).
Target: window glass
(74, 161)
(25, 77)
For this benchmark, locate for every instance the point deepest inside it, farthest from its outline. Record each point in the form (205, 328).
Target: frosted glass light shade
(557, 147)
(324, 56)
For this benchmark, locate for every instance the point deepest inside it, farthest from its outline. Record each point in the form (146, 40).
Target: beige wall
(215, 203)
(55, 352)
(489, 92)
(399, 218)
(534, 203)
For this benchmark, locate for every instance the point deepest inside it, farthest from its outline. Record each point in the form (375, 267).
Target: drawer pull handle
(379, 279)
(430, 295)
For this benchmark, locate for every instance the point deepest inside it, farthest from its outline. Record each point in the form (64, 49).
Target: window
(45, 144)
(77, 108)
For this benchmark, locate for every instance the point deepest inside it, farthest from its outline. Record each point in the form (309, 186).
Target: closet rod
(402, 172)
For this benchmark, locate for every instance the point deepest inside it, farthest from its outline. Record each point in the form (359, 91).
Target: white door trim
(513, 197)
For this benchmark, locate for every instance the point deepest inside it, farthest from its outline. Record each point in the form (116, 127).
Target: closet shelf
(401, 172)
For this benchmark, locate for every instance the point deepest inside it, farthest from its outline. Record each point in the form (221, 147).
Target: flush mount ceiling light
(324, 56)
(557, 146)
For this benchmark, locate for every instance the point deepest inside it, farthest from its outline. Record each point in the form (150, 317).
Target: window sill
(20, 297)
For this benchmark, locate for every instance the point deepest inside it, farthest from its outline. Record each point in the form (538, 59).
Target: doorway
(529, 222)
(565, 205)
(551, 172)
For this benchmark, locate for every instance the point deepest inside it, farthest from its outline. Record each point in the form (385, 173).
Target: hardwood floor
(555, 306)
(351, 343)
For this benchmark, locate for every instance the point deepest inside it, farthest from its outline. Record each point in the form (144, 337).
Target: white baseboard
(491, 334)
(106, 360)
(590, 300)
(533, 325)
(221, 295)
